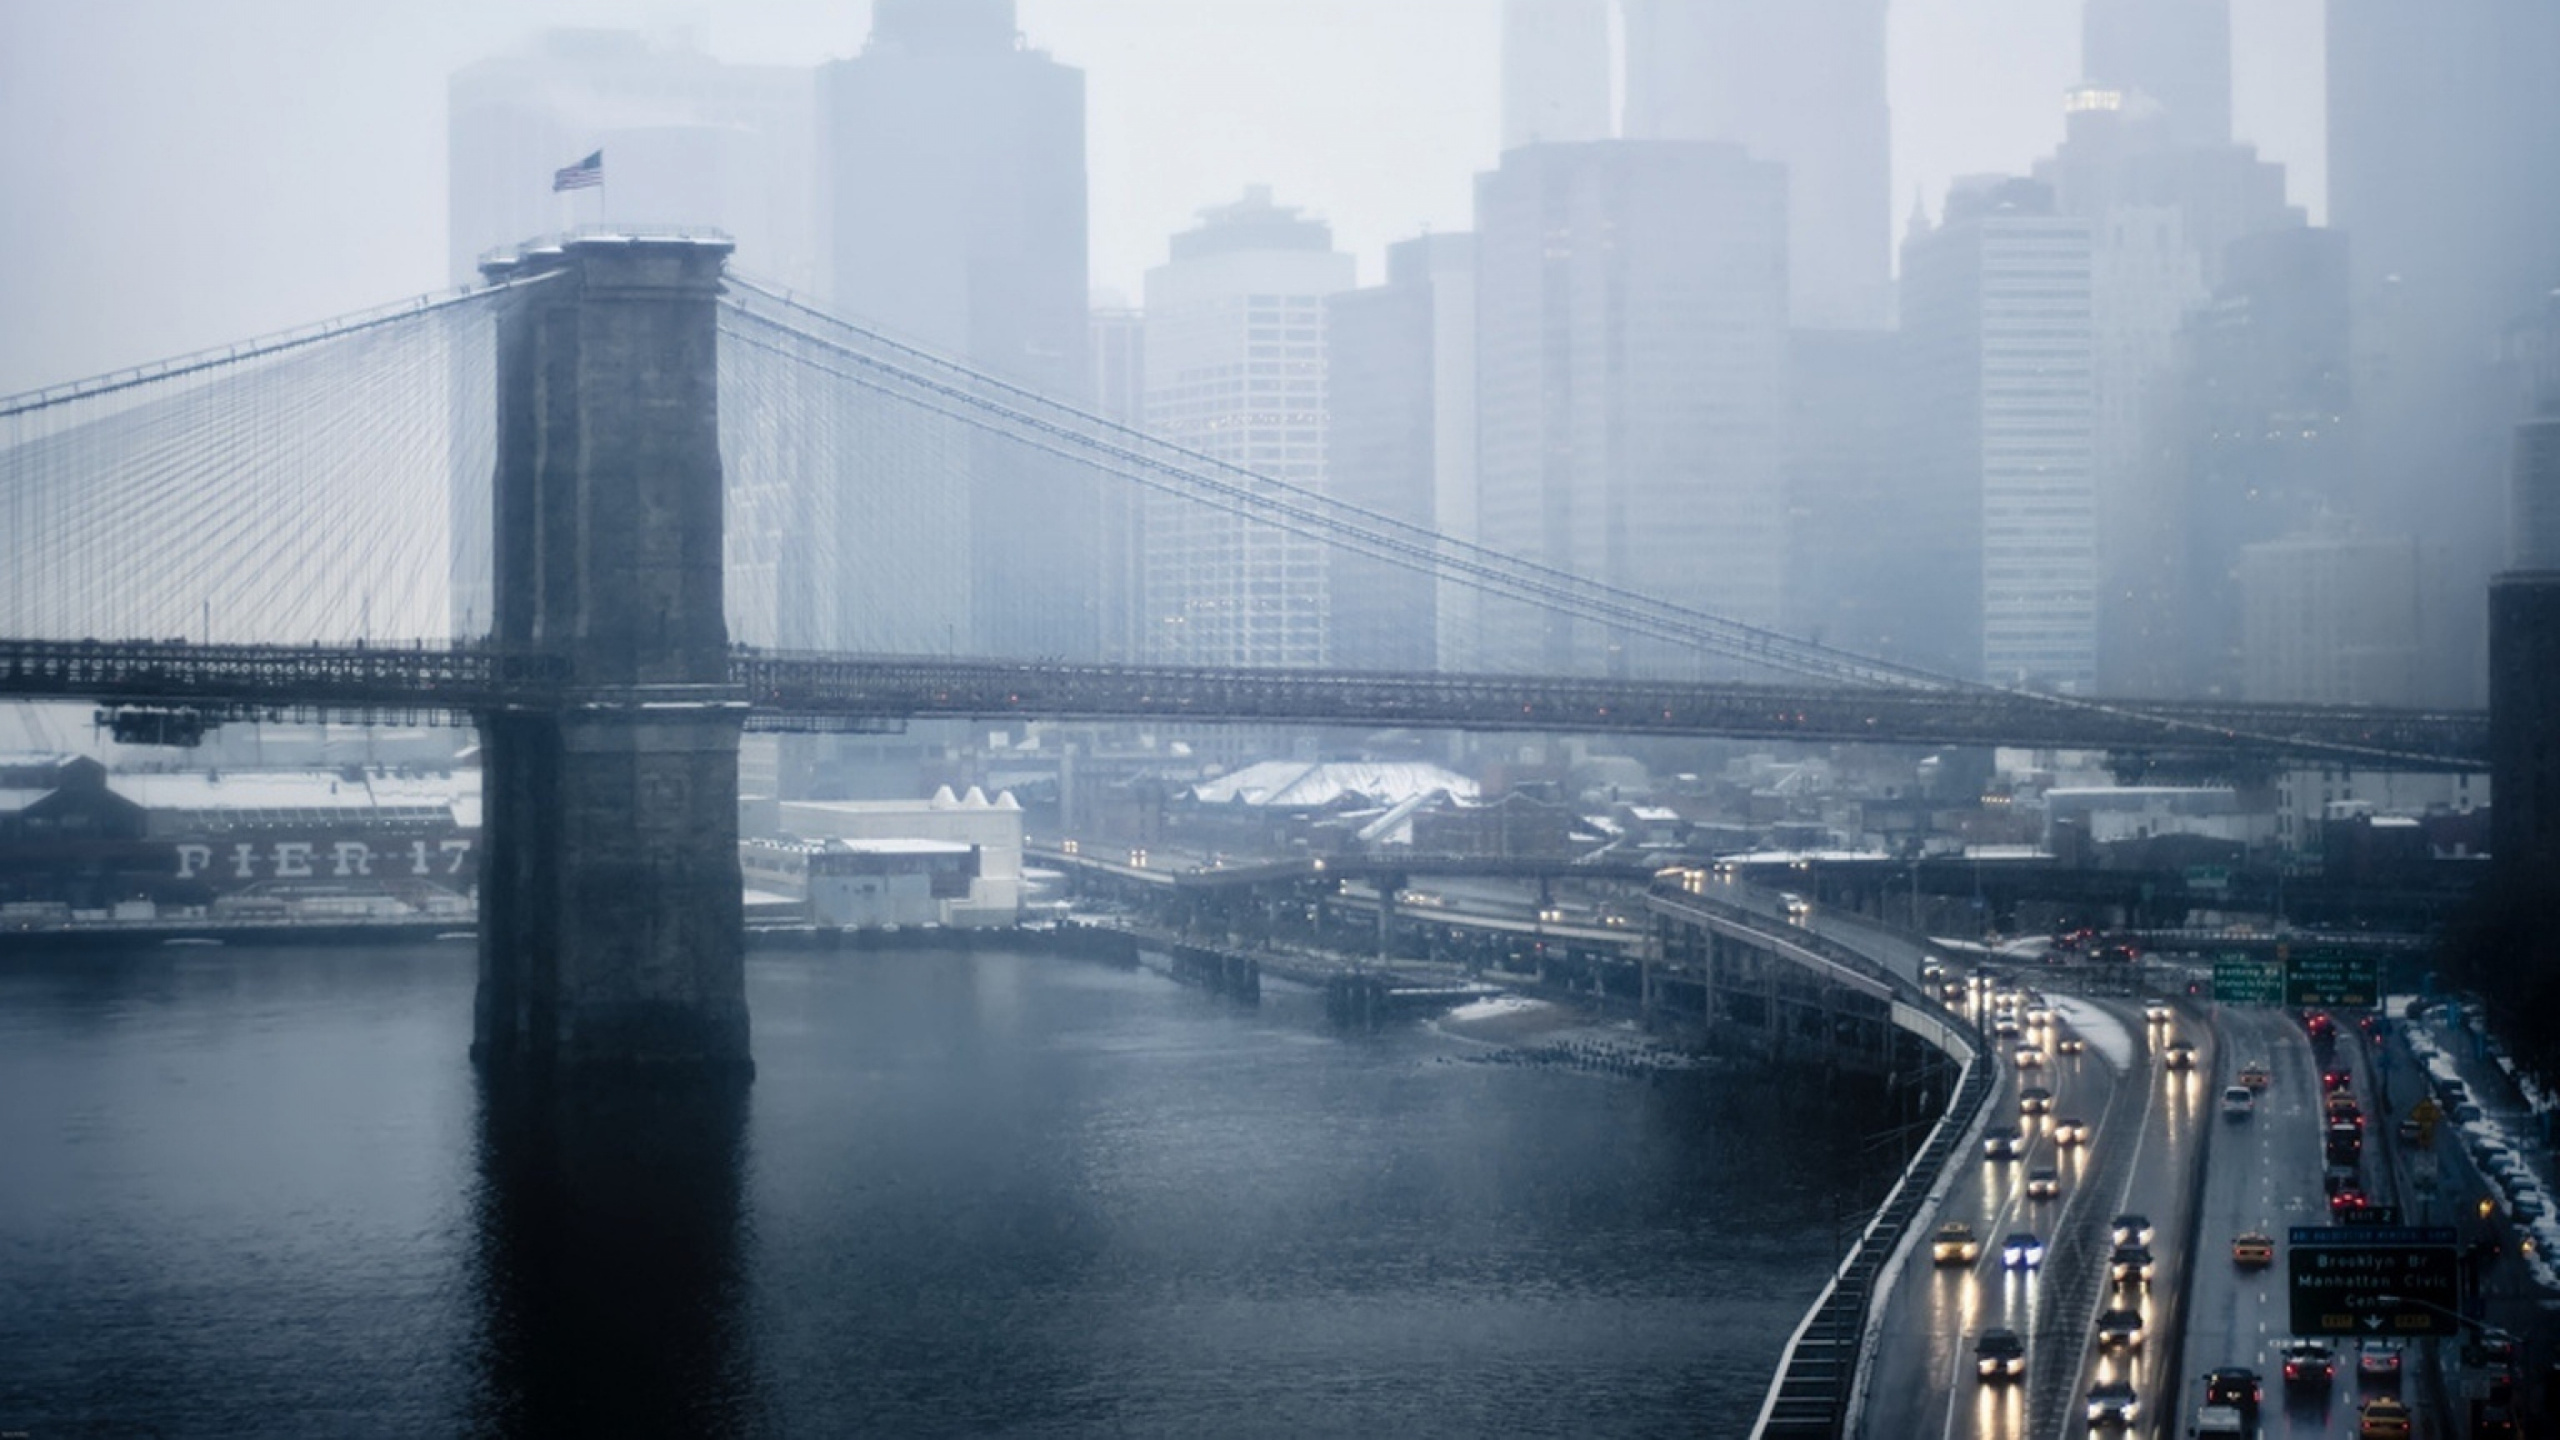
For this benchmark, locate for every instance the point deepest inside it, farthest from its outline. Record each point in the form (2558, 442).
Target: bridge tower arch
(611, 906)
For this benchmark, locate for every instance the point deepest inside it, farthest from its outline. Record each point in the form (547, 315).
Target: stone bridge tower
(611, 911)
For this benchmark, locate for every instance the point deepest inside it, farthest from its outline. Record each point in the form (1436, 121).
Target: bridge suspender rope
(1121, 452)
(970, 397)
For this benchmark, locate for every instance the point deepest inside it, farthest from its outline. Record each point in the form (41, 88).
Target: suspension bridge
(616, 505)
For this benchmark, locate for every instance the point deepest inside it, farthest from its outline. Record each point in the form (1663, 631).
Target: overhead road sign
(2240, 978)
(2378, 1280)
(2329, 977)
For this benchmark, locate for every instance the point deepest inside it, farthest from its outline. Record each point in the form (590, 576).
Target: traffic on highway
(2183, 1219)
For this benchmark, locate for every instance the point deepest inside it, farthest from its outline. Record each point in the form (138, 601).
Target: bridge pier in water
(612, 916)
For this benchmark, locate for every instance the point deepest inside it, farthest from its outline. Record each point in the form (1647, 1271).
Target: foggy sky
(182, 173)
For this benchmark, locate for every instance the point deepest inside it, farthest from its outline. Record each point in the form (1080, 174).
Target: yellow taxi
(2383, 1418)
(1955, 1244)
(2252, 1249)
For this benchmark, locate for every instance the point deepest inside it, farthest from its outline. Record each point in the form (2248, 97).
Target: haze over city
(1281, 717)
(300, 145)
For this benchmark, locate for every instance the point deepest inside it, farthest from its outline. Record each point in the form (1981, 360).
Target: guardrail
(1817, 1388)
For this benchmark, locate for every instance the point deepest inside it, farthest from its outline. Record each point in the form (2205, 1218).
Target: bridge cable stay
(917, 377)
(1168, 480)
(292, 489)
(332, 483)
(987, 402)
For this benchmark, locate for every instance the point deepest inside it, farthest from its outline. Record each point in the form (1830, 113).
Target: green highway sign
(2384, 1280)
(2323, 976)
(2240, 978)
(2208, 877)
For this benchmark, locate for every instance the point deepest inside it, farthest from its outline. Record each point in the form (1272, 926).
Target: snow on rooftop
(1789, 857)
(900, 846)
(1297, 785)
(281, 790)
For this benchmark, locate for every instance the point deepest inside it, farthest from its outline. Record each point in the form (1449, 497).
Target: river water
(250, 1191)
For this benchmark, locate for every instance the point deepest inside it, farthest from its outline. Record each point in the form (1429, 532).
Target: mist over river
(262, 1191)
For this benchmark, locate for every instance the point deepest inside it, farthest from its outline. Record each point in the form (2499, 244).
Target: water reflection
(609, 1272)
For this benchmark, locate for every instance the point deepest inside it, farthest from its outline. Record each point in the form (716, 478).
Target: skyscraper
(1801, 83)
(2331, 619)
(1996, 318)
(1235, 357)
(1400, 384)
(1555, 72)
(2444, 133)
(2147, 160)
(1631, 342)
(2265, 426)
(2169, 58)
(952, 179)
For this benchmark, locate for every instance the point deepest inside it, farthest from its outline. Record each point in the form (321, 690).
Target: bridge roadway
(801, 691)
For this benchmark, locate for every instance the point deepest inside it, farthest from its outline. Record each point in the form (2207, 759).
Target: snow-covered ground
(2478, 1136)
(1491, 1007)
(2104, 1032)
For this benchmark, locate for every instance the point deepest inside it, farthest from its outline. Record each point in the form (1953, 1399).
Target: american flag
(585, 173)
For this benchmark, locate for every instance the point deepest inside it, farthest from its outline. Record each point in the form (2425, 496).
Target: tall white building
(1555, 72)
(1235, 367)
(1996, 314)
(1799, 82)
(1631, 362)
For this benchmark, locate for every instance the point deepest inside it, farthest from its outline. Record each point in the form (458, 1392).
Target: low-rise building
(878, 853)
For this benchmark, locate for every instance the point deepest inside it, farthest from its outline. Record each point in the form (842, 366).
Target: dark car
(2131, 1229)
(2236, 1386)
(2000, 1142)
(2112, 1406)
(2000, 1357)
(2119, 1330)
(2308, 1362)
(2130, 1265)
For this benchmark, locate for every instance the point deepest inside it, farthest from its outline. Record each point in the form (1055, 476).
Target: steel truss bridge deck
(814, 692)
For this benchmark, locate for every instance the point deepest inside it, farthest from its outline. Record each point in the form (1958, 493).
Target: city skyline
(184, 106)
